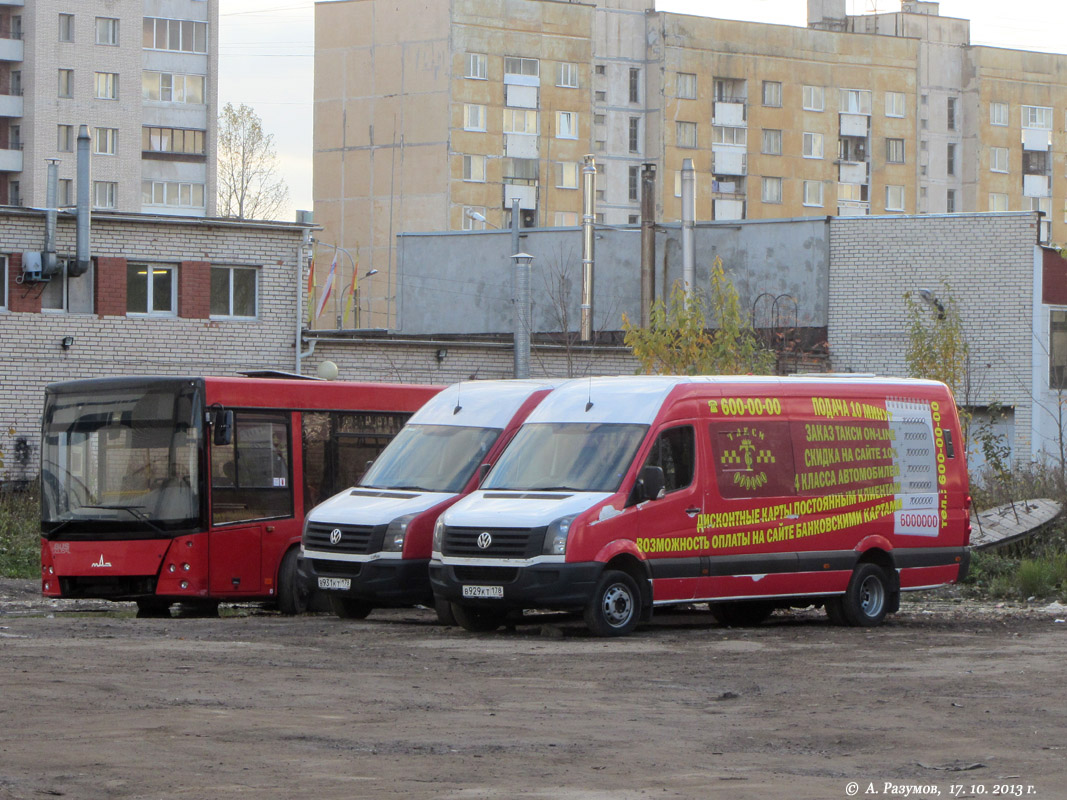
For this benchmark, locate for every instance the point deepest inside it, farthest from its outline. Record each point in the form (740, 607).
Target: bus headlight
(396, 533)
(556, 536)
(438, 535)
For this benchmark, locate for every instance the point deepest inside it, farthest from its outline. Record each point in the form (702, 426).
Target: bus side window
(250, 477)
(673, 453)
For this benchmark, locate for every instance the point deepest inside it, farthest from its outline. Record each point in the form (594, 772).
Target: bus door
(251, 494)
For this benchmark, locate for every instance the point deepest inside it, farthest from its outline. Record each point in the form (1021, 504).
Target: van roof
(479, 404)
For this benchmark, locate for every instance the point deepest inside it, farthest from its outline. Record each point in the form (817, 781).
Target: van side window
(753, 458)
(673, 453)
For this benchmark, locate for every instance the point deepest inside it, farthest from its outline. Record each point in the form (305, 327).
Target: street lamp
(522, 314)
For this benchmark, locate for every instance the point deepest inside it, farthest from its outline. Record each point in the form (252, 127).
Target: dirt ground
(946, 699)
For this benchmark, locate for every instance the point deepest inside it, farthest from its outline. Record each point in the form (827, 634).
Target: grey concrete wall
(461, 282)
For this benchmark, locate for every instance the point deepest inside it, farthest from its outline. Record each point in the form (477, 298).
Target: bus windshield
(122, 457)
(431, 458)
(567, 456)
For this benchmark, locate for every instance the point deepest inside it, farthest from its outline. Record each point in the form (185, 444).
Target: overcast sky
(265, 57)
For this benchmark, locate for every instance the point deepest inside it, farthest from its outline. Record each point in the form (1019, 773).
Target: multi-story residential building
(433, 116)
(142, 76)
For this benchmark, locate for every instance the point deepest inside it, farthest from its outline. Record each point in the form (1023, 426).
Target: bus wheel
(615, 606)
(350, 608)
(867, 598)
(478, 620)
(152, 608)
(292, 599)
(444, 612)
(741, 615)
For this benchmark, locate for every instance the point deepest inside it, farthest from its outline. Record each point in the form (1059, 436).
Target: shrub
(20, 538)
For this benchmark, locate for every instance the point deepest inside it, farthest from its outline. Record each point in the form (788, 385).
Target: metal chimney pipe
(81, 265)
(51, 191)
(688, 225)
(588, 237)
(648, 242)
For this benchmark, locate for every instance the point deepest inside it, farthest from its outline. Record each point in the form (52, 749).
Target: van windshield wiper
(135, 512)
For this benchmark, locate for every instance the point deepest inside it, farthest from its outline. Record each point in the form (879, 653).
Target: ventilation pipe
(588, 218)
(81, 263)
(49, 262)
(688, 224)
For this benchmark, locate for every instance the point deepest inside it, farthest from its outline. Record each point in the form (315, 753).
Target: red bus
(194, 489)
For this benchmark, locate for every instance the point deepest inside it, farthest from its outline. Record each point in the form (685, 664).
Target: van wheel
(866, 600)
(478, 620)
(741, 615)
(292, 597)
(350, 607)
(835, 611)
(615, 606)
(444, 612)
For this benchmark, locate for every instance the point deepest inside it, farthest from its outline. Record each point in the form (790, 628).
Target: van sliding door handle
(692, 511)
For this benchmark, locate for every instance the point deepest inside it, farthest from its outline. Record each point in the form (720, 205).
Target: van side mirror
(649, 485)
(222, 427)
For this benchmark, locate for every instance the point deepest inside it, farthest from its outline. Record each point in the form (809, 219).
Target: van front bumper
(550, 586)
(383, 583)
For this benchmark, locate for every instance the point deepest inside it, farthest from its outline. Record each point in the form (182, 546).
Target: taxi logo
(335, 536)
(484, 540)
(746, 458)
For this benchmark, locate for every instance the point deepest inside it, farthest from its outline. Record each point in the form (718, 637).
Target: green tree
(680, 341)
(248, 183)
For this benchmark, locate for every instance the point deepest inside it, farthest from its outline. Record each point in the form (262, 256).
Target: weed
(20, 538)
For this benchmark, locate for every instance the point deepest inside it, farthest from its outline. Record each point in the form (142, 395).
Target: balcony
(727, 189)
(10, 106)
(10, 161)
(520, 145)
(11, 49)
(526, 195)
(729, 114)
(1037, 186)
(854, 172)
(1036, 139)
(855, 125)
(727, 160)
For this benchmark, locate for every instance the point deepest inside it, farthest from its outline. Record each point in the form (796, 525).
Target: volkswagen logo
(484, 540)
(335, 536)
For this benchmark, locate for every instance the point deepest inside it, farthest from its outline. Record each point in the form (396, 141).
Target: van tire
(835, 611)
(478, 620)
(741, 614)
(292, 599)
(615, 606)
(866, 600)
(350, 607)
(444, 612)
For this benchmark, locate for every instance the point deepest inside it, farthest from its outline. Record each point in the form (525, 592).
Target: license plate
(483, 591)
(335, 583)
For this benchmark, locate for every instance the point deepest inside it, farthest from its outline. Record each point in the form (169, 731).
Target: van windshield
(431, 458)
(567, 456)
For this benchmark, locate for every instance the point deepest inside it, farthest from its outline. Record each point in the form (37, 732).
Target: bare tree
(249, 185)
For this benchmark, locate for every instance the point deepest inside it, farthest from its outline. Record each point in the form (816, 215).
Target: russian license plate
(343, 584)
(483, 591)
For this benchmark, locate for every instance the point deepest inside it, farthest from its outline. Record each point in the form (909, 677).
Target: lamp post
(522, 314)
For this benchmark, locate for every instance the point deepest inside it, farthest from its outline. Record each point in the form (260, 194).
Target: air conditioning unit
(38, 266)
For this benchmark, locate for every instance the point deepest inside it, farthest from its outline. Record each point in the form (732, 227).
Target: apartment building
(142, 76)
(432, 117)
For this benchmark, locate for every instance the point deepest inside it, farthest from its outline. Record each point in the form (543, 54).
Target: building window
(686, 134)
(772, 190)
(998, 113)
(950, 159)
(175, 35)
(172, 140)
(813, 193)
(170, 87)
(772, 94)
(105, 141)
(635, 85)
(894, 198)
(15, 82)
(66, 192)
(477, 66)
(998, 159)
(105, 194)
(950, 113)
(635, 134)
(568, 75)
(65, 138)
(998, 202)
(813, 145)
(473, 117)
(1057, 347)
(724, 134)
(855, 101)
(529, 67)
(66, 27)
(473, 218)
(633, 183)
(566, 124)
(14, 196)
(687, 86)
(1039, 117)
(3, 281)
(233, 292)
(894, 104)
(151, 289)
(106, 86)
(107, 31)
(950, 201)
(814, 98)
(852, 192)
(173, 194)
(474, 169)
(567, 175)
(520, 120)
(772, 142)
(66, 83)
(565, 219)
(894, 151)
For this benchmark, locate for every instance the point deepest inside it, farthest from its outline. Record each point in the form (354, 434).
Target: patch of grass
(20, 537)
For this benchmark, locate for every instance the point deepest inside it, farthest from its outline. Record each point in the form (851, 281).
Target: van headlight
(556, 536)
(438, 535)
(396, 533)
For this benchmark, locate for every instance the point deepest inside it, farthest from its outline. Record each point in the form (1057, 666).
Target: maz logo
(101, 562)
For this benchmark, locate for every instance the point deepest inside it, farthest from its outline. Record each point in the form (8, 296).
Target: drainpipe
(588, 219)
